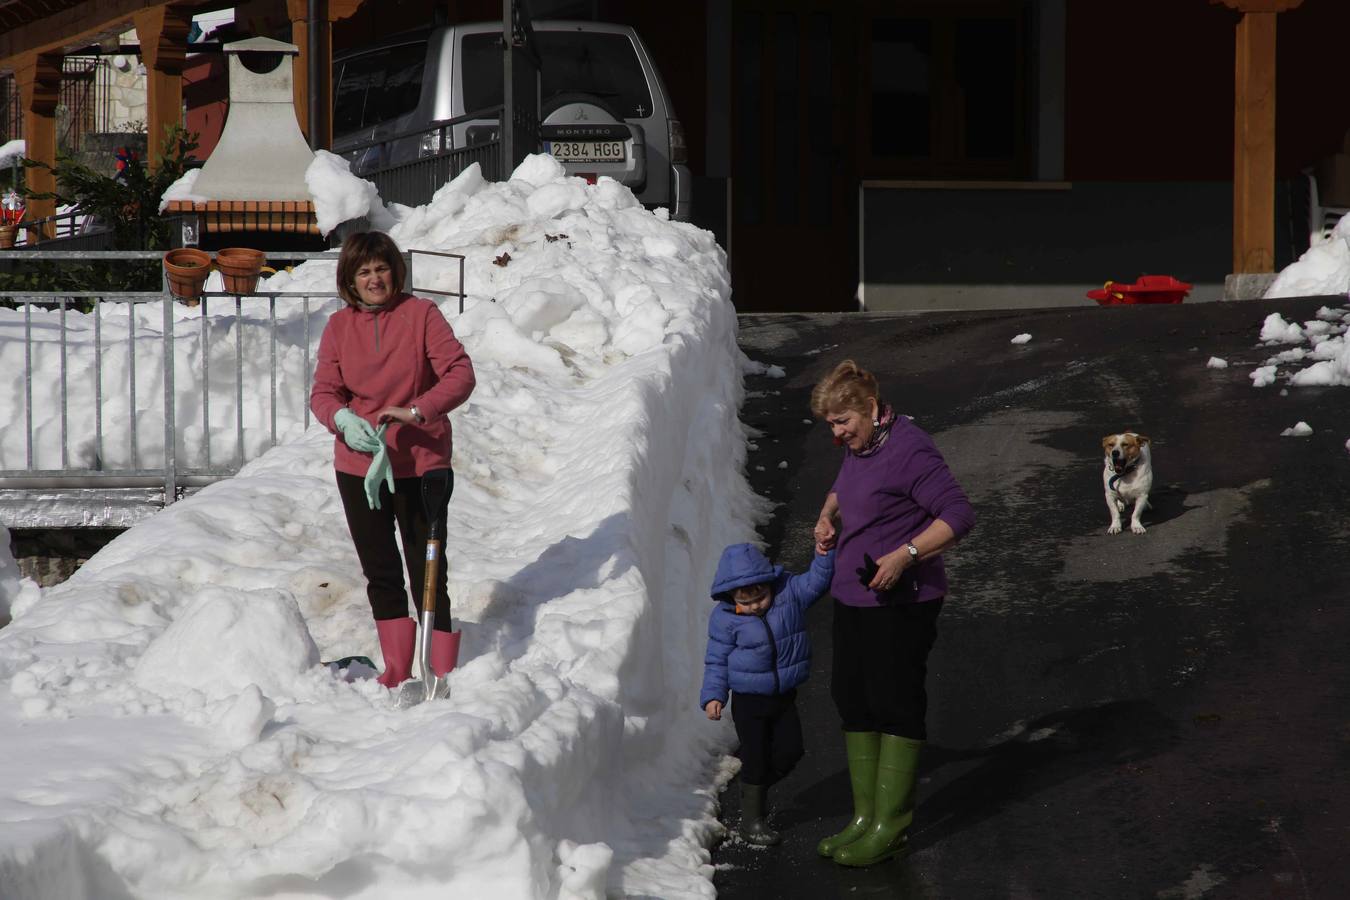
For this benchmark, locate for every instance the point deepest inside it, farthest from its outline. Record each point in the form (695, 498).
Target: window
(946, 93)
(481, 65)
(602, 65)
(376, 87)
(402, 89)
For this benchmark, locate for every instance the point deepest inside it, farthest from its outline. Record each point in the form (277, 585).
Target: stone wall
(127, 94)
(51, 555)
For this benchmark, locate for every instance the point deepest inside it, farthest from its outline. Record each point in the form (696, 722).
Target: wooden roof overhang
(57, 27)
(36, 34)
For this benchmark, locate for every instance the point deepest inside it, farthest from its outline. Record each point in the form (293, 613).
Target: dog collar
(1115, 479)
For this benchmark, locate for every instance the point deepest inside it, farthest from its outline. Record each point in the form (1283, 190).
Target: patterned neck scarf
(880, 432)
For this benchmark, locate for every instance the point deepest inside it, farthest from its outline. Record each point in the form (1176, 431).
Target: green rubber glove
(357, 432)
(380, 470)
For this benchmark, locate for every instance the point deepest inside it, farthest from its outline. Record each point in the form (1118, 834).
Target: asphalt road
(1163, 715)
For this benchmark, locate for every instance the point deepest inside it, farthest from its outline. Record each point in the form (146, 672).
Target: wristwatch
(417, 416)
(913, 552)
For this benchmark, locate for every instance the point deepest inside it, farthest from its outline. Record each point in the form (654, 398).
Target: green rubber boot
(862, 747)
(754, 805)
(897, 768)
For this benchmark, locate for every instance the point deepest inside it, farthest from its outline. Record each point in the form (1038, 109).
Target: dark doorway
(794, 182)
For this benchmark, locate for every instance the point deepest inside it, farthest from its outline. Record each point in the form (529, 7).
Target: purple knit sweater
(888, 498)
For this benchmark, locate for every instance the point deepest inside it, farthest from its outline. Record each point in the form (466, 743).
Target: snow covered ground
(169, 731)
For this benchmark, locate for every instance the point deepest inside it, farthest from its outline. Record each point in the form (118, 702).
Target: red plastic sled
(1148, 289)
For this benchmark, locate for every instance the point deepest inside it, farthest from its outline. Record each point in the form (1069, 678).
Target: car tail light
(679, 151)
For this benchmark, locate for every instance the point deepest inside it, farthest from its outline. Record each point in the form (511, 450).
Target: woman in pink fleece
(388, 371)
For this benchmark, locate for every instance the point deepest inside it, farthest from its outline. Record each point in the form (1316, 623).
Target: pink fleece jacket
(405, 354)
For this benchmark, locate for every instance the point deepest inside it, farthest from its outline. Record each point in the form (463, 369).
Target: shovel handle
(429, 576)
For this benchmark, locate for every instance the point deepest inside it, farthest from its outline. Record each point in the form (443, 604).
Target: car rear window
(375, 87)
(603, 65)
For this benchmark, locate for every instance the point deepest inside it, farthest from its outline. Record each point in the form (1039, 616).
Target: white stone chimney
(262, 154)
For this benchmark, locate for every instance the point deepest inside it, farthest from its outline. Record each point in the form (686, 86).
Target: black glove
(868, 571)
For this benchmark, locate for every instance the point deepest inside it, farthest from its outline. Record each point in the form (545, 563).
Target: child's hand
(714, 710)
(824, 533)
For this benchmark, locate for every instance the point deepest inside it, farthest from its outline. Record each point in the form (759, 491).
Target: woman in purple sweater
(893, 509)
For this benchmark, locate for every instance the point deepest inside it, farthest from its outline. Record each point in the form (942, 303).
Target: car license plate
(587, 151)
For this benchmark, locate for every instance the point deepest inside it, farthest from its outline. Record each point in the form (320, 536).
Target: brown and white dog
(1128, 477)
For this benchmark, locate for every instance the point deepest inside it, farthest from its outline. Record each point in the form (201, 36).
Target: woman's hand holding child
(825, 535)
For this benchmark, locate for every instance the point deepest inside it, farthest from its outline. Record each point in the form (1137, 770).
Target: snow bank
(1323, 269)
(14, 588)
(598, 476)
(339, 196)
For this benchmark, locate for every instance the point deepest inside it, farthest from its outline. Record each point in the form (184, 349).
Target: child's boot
(862, 747)
(897, 768)
(754, 830)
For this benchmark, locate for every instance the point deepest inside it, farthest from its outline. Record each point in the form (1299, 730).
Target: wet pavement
(1163, 715)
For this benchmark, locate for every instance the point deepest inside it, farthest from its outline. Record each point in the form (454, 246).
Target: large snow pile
(170, 732)
(1323, 269)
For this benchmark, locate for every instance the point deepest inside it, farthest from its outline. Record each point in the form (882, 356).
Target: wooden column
(298, 10)
(1254, 145)
(162, 31)
(1254, 134)
(39, 81)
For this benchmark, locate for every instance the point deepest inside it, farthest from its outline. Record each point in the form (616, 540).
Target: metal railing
(71, 231)
(436, 158)
(162, 417)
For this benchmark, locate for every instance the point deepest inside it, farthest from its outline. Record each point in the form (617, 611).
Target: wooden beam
(39, 81)
(1260, 6)
(72, 28)
(1254, 145)
(162, 31)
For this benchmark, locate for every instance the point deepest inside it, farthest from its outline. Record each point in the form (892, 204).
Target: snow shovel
(435, 491)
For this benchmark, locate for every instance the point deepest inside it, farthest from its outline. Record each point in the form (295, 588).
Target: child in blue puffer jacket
(758, 648)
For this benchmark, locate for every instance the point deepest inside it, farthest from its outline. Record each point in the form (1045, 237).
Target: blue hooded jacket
(768, 654)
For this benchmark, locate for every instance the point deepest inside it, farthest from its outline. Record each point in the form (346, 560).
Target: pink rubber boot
(397, 637)
(444, 651)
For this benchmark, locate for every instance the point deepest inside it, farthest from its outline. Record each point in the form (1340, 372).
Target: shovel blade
(411, 693)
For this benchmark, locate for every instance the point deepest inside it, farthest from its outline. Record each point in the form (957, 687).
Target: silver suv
(604, 107)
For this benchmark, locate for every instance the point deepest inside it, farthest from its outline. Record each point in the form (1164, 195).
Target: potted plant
(187, 268)
(11, 213)
(239, 268)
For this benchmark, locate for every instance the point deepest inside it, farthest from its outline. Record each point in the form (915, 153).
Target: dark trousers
(373, 534)
(771, 735)
(880, 665)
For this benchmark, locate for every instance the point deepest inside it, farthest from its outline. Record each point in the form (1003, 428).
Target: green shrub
(128, 203)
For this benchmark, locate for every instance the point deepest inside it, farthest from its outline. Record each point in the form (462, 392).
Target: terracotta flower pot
(187, 268)
(239, 268)
(8, 235)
